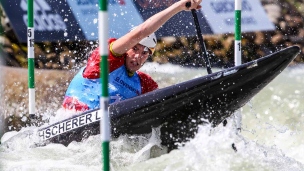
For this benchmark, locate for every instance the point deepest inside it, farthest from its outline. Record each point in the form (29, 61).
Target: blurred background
(56, 61)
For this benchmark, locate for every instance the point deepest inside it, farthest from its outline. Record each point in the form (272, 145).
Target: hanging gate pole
(31, 58)
(237, 35)
(238, 53)
(104, 73)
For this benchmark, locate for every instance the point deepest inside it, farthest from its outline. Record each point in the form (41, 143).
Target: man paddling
(126, 56)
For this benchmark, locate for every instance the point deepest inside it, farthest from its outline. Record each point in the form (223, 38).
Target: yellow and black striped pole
(31, 57)
(104, 72)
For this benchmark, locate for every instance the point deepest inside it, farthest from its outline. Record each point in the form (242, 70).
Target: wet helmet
(149, 42)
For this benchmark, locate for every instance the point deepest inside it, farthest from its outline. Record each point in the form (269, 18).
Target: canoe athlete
(127, 55)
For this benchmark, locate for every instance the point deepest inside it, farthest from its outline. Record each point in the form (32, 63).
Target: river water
(271, 138)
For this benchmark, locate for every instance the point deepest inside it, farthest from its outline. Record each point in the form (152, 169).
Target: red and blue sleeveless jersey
(84, 90)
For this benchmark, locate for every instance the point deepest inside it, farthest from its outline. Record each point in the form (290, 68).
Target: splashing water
(271, 138)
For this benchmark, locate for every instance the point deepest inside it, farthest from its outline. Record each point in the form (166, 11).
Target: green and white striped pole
(31, 57)
(237, 52)
(104, 73)
(237, 36)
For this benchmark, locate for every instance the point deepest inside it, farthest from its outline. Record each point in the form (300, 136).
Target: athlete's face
(136, 57)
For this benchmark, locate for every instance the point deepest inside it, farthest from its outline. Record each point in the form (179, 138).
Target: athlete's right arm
(126, 42)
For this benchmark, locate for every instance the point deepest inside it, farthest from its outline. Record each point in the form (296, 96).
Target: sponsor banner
(181, 24)
(220, 16)
(69, 125)
(73, 20)
(52, 20)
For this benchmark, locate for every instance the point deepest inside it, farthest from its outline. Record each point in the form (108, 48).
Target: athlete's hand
(188, 5)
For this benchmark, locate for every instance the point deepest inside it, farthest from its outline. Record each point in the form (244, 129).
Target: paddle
(200, 38)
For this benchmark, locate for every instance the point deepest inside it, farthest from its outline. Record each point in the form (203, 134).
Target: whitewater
(271, 138)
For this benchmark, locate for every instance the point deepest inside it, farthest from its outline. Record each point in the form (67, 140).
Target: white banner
(220, 16)
(69, 124)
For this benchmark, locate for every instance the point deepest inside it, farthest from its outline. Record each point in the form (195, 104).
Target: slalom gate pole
(237, 52)
(31, 57)
(104, 73)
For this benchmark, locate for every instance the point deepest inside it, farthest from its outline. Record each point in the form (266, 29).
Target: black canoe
(211, 98)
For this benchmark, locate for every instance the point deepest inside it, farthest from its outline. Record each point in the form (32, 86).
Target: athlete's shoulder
(110, 40)
(147, 83)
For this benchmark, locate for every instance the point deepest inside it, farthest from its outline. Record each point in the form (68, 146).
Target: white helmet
(149, 42)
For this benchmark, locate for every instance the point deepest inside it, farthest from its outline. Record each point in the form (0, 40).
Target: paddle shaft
(203, 53)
